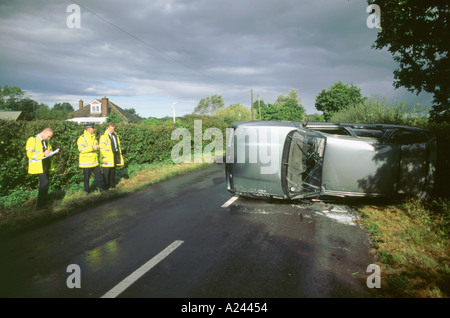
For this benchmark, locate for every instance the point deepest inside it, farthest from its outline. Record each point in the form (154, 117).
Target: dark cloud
(148, 54)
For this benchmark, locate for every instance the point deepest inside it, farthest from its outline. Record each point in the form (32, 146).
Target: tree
(133, 112)
(416, 33)
(65, 107)
(209, 105)
(27, 106)
(114, 117)
(232, 113)
(58, 112)
(9, 97)
(292, 95)
(316, 117)
(286, 107)
(338, 97)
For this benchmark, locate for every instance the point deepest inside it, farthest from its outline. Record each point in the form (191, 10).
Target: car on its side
(294, 160)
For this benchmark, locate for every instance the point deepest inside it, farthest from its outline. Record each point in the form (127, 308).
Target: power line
(144, 42)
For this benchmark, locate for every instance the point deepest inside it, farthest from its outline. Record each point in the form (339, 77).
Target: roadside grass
(411, 242)
(18, 212)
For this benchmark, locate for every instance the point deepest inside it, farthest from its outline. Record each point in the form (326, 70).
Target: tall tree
(28, 107)
(236, 112)
(9, 97)
(65, 107)
(209, 105)
(133, 112)
(416, 32)
(338, 97)
(114, 117)
(286, 107)
(292, 95)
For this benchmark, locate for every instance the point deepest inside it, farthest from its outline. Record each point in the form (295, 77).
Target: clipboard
(51, 154)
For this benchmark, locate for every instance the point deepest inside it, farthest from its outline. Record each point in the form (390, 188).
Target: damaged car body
(292, 160)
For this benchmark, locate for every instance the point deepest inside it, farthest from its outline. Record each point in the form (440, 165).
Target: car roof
(321, 125)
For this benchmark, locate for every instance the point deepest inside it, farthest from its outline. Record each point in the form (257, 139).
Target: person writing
(111, 155)
(88, 157)
(38, 149)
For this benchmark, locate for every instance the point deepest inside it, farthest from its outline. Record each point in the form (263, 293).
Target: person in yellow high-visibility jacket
(37, 148)
(110, 155)
(88, 157)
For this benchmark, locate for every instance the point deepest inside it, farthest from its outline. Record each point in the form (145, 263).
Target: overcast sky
(149, 55)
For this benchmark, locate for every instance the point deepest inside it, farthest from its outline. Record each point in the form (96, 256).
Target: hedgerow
(141, 144)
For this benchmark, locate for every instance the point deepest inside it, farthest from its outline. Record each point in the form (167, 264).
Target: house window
(95, 108)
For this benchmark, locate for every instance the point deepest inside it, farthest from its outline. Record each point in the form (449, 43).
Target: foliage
(151, 121)
(114, 117)
(232, 113)
(64, 107)
(141, 144)
(416, 32)
(59, 111)
(284, 108)
(9, 96)
(338, 97)
(316, 117)
(12, 99)
(411, 241)
(133, 112)
(209, 105)
(373, 111)
(292, 95)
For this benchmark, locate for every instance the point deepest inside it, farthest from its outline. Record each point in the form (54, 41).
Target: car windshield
(303, 164)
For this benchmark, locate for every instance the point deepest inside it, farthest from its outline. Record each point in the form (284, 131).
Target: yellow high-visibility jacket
(88, 157)
(106, 152)
(35, 153)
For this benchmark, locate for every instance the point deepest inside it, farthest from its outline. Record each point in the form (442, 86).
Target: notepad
(52, 153)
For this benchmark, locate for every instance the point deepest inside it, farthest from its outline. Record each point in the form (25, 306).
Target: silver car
(292, 160)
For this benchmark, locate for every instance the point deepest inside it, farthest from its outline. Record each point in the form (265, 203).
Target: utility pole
(253, 117)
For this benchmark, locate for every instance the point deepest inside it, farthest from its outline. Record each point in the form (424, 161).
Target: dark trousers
(98, 177)
(109, 173)
(44, 182)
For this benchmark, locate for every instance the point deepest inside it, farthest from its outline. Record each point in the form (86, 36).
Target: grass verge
(411, 244)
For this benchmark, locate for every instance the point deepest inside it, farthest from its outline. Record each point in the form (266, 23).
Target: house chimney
(80, 104)
(105, 110)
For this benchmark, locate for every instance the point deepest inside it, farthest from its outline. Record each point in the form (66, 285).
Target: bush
(373, 111)
(141, 144)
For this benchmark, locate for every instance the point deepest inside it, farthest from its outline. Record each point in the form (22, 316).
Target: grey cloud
(191, 49)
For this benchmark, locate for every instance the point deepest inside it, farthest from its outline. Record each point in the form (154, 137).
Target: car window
(333, 131)
(371, 133)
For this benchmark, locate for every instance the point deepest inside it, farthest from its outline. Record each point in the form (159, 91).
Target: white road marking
(124, 284)
(230, 201)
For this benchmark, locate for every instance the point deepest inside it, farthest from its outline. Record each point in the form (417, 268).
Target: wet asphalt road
(246, 249)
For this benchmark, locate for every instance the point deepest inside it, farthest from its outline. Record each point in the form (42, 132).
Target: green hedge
(140, 144)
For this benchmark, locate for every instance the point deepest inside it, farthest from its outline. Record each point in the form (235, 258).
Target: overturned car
(292, 160)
